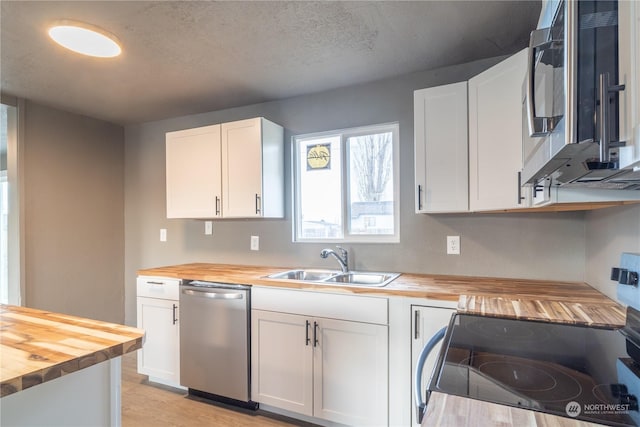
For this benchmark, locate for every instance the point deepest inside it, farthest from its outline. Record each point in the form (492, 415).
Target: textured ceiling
(186, 57)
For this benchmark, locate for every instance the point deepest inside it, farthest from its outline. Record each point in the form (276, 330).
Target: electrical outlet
(255, 243)
(453, 245)
(163, 234)
(208, 228)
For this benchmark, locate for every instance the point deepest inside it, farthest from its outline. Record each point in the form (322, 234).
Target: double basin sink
(334, 277)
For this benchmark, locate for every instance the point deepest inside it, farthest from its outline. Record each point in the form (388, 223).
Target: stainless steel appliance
(572, 102)
(214, 341)
(586, 373)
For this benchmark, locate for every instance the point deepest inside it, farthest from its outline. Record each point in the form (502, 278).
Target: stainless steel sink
(305, 275)
(363, 279)
(330, 277)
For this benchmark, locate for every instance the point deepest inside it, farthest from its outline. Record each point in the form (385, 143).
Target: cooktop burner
(539, 380)
(565, 370)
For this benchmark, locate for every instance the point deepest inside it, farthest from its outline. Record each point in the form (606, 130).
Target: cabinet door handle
(258, 204)
(419, 197)
(416, 323)
(315, 334)
(520, 198)
(217, 206)
(306, 334)
(155, 283)
(175, 319)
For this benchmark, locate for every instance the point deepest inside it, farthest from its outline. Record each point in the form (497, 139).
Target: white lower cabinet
(158, 309)
(350, 372)
(283, 374)
(330, 369)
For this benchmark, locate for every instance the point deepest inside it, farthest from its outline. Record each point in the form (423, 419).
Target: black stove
(567, 370)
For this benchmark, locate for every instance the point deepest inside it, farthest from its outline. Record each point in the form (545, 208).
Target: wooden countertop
(545, 300)
(440, 287)
(601, 314)
(38, 346)
(446, 410)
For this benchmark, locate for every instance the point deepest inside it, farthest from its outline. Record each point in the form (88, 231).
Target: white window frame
(345, 187)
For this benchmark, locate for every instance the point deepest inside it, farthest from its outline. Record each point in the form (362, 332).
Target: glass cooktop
(567, 370)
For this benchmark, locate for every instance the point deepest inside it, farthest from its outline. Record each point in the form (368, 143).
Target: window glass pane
(371, 184)
(320, 198)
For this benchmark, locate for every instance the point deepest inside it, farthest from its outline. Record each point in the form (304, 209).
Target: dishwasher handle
(213, 294)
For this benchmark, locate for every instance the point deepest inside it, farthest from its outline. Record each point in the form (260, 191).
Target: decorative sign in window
(318, 156)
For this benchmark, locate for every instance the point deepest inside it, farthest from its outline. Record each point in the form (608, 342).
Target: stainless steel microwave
(572, 98)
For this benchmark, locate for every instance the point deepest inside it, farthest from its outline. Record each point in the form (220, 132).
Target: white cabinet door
(351, 372)
(159, 356)
(282, 361)
(441, 144)
(426, 321)
(233, 170)
(629, 54)
(336, 370)
(242, 168)
(495, 135)
(194, 177)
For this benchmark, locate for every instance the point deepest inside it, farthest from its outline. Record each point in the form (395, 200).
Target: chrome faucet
(343, 259)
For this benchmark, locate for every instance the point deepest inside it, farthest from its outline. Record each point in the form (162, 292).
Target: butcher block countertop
(38, 346)
(604, 314)
(543, 300)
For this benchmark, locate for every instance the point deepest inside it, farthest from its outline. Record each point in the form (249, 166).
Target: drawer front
(158, 287)
(321, 304)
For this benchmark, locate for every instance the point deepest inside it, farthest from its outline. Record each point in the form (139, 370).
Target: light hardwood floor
(147, 404)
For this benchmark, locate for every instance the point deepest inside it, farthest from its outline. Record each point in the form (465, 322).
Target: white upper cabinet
(629, 54)
(252, 169)
(232, 170)
(441, 166)
(194, 179)
(495, 135)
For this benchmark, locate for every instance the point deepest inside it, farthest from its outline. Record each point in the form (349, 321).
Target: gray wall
(544, 246)
(609, 232)
(74, 221)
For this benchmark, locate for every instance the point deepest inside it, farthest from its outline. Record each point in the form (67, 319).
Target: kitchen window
(346, 185)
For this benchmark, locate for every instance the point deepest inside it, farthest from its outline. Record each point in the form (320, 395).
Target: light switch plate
(163, 234)
(208, 228)
(255, 243)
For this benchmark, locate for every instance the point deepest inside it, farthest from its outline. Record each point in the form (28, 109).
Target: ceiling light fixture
(85, 39)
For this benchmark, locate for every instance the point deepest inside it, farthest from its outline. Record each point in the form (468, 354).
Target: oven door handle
(428, 348)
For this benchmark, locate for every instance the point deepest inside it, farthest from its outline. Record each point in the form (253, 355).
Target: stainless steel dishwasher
(215, 343)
